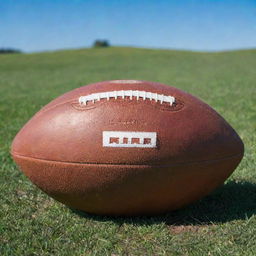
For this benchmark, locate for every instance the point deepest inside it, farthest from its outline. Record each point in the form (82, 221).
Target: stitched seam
(132, 94)
(131, 165)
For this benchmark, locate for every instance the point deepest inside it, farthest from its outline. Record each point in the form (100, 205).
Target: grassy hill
(223, 223)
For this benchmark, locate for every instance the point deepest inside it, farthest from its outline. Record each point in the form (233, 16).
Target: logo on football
(119, 139)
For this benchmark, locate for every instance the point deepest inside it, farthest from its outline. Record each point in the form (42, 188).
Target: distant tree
(101, 43)
(8, 50)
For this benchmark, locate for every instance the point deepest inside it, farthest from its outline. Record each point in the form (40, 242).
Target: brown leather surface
(63, 131)
(125, 189)
(60, 150)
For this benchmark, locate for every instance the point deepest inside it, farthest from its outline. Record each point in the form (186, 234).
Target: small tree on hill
(101, 43)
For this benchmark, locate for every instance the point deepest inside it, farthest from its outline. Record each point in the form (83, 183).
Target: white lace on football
(129, 93)
(125, 81)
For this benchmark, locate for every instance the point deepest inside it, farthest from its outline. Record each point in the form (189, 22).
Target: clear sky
(38, 25)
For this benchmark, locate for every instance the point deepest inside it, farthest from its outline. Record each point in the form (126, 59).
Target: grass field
(223, 223)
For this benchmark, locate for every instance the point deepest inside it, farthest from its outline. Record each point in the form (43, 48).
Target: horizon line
(127, 46)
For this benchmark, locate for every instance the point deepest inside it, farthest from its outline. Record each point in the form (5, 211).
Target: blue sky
(207, 25)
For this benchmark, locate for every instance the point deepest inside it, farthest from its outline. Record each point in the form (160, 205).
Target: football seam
(78, 100)
(132, 94)
(131, 165)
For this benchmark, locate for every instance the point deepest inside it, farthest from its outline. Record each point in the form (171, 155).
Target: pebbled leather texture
(127, 190)
(196, 150)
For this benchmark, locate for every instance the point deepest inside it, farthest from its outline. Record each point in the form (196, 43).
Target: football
(127, 147)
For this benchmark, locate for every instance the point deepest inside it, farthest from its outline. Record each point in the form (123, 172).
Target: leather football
(127, 147)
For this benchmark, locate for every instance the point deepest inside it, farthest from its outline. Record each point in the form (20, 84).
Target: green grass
(223, 223)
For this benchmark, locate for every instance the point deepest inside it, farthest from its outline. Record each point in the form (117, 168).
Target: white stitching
(136, 94)
(125, 81)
